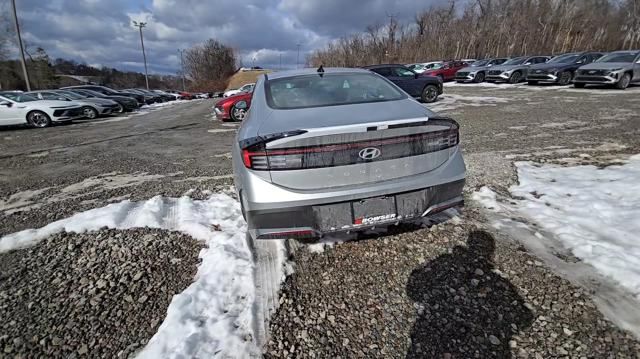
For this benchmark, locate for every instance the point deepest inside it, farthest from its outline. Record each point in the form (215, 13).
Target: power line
(140, 25)
(22, 60)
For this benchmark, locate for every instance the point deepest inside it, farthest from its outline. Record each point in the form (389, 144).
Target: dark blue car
(425, 88)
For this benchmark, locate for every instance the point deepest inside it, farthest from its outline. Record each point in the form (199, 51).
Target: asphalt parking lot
(459, 289)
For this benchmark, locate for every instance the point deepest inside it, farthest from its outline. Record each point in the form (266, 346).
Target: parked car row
(618, 68)
(42, 108)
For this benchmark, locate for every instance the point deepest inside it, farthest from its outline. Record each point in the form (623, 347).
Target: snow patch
(594, 212)
(215, 315)
(452, 101)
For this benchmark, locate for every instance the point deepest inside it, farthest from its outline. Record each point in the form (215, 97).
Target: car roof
(381, 65)
(312, 71)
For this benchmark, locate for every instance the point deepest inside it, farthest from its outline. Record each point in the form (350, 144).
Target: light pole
(298, 58)
(140, 25)
(182, 67)
(22, 60)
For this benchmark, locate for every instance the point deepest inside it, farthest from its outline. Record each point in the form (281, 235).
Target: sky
(100, 32)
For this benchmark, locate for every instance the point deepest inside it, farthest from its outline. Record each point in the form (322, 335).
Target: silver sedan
(341, 150)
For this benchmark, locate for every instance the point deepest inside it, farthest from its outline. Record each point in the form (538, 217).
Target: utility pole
(298, 58)
(182, 66)
(280, 62)
(22, 60)
(140, 25)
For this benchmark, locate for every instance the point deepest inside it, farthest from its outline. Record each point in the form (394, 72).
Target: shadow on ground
(465, 310)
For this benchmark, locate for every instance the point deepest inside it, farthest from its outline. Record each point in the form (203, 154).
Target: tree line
(491, 28)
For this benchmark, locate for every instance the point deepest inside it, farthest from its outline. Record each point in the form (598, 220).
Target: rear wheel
(429, 94)
(38, 119)
(479, 77)
(532, 83)
(90, 112)
(579, 86)
(624, 82)
(238, 114)
(565, 78)
(119, 109)
(515, 77)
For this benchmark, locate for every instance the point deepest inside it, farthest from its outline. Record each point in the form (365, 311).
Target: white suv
(18, 108)
(245, 88)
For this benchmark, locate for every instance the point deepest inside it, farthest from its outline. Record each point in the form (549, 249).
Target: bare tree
(209, 65)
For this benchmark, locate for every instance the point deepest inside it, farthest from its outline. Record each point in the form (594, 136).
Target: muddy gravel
(98, 294)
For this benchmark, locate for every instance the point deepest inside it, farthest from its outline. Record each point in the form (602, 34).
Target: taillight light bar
(256, 156)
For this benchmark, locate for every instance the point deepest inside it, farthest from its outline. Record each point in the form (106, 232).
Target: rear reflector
(256, 156)
(301, 234)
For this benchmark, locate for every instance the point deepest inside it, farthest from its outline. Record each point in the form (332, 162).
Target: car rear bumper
(316, 221)
(272, 210)
(221, 114)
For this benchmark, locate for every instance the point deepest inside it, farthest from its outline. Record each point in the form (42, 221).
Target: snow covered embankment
(215, 314)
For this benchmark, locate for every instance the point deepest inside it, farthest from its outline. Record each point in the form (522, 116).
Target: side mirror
(241, 105)
(416, 75)
(5, 103)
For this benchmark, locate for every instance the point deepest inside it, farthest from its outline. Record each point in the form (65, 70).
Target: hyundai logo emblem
(369, 153)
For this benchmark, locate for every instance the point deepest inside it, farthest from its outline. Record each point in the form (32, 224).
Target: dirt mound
(244, 77)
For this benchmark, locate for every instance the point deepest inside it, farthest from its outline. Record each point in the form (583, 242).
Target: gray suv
(514, 70)
(477, 71)
(619, 68)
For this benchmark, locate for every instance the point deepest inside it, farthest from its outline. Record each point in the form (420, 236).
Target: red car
(185, 95)
(446, 71)
(233, 108)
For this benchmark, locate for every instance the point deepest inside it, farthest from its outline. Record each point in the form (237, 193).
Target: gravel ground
(106, 292)
(451, 291)
(457, 290)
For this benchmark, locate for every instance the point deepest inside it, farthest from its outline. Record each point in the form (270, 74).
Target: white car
(19, 108)
(424, 66)
(245, 88)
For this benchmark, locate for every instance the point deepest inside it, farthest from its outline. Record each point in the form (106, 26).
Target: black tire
(90, 112)
(479, 78)
(441, 77)
(38, 119)
(237, 114)
(429, 94)
(120, 109)
(579, 86)
(624, 82)
(515, 77)
(565, 78)
(532, 83)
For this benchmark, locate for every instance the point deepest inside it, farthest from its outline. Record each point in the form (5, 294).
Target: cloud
(100, 31)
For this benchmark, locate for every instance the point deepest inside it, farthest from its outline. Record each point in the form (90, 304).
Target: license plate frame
(374, 210)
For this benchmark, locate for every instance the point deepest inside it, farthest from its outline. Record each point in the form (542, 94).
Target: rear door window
(384, 71)
(402, 72)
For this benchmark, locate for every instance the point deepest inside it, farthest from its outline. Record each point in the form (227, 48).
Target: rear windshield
(329, 90)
